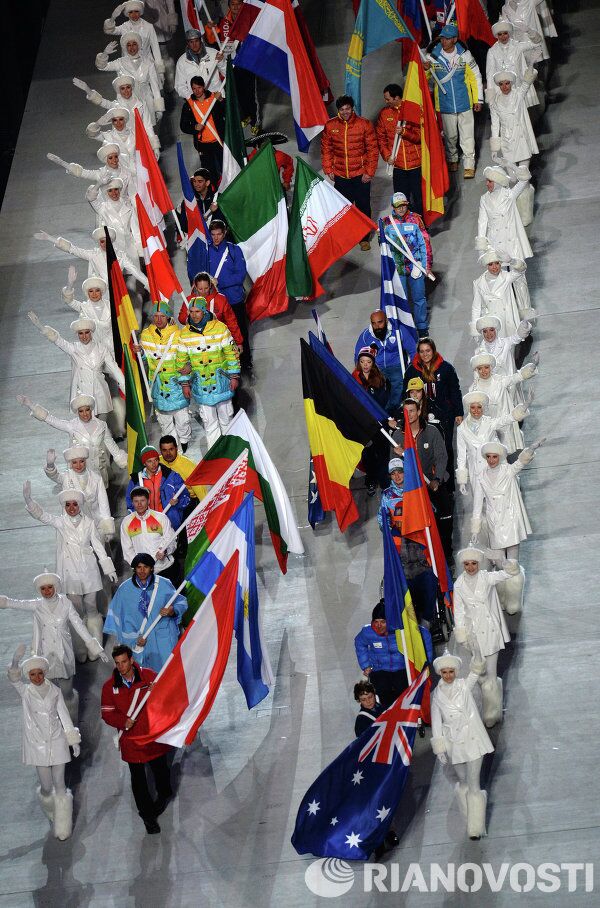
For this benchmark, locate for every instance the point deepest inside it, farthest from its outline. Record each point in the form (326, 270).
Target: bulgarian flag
(324, 226)
(254, 207)
(263, 479)
(234, 145)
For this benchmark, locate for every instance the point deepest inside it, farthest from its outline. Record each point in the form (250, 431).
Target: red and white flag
(151, 187)
(185, 688)
(161, 276)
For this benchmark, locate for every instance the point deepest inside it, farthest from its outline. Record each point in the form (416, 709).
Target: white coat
(124, 138)
(134, 103)
(51, 636)
(154, 533)
(77, 547)
(91, 484)
(524, 18)
(96, 436)
(145, 30)
(507, 518)
(88, 362)
(511, 124)
(164, 18)
(46, 724)
(500, 222)
(501, 392)
(456, 719)
(495, 296)
(514, 56)
(121, 217)
(99, 312)
(470, 436)
(96, 260)
(503, 351)
(105, 173)
(143, 71)
(477, 609)
(185, 69)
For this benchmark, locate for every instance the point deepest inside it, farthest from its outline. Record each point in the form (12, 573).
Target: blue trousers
(414, 287)
(396, 379)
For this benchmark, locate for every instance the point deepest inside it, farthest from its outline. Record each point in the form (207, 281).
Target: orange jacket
(408, 156)
(349, 149)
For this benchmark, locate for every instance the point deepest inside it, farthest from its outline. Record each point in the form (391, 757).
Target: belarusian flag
(324, 226)
(254, 207)
(263, 479)
(234, 145)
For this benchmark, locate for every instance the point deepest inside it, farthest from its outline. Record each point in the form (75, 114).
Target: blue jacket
(232, 274)
(387, 349)
(413, 237)
(464, 87)
(170, 482)
(381, 653)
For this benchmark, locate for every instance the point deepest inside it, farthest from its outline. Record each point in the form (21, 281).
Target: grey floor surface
(226, 838)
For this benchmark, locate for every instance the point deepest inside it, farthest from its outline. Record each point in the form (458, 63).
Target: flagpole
(405, 654)
(426, 19)
(205, 116)
(202, 5)
(451, 13)
(177, 222)
(138, 649)
(176, 495)
(397, 137)
(141, 364)
(406, 252)
(431, 552)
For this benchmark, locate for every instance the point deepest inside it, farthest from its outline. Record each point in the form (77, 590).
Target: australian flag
(393, 298)
(348, 810)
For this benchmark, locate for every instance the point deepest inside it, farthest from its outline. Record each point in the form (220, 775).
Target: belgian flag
(339, 427)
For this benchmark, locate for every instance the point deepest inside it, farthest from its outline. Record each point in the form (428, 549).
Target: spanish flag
(338, 429)
(124, 322)
(434, 172)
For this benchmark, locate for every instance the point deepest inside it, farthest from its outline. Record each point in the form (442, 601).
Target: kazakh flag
(377, 23)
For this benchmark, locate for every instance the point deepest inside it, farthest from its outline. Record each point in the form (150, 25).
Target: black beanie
(379, 610)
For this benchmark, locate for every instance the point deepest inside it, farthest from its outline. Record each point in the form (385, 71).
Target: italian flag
(234, 145)
(262, 478)
(324, 226)
(254, 207)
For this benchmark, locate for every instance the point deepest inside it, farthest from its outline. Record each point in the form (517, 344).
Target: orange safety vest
(199, 108)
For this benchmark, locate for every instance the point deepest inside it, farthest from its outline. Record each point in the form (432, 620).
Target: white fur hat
(120, 81)
(488, 321)
(506, 75)
(113, 112)
(483, 359)
(47, 579)
(116, 183)
(132, 5)
(94, 283)
(71, 495)
(99, 234)
(502, 25)
(475, 397)
(494, 447)
(28, 665)
(490, 256)
(83, 324)
(131, 35)
(75, 452)
(470, 554)
(82, 400)
(447, 660)
(104, 151)
(496, 175)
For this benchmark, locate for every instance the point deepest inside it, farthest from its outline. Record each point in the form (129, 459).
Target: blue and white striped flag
(393, 298)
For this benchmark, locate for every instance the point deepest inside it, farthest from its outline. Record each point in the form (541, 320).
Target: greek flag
(393, 298)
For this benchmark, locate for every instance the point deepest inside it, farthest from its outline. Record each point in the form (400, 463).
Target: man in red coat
(218, 305)
(285, 164)
(349, 156)
(130, 683)
(397, 119)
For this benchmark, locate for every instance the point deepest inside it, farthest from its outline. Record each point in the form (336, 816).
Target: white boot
(476, 804)
(525, 205)
(510, 593)
(460, 790)
(491, 694)
(95, 626)
(63, 815)
(47, 802)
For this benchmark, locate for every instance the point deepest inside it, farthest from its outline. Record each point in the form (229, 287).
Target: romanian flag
(339, 427)
(418, 521)
(434, 171)
(473, 23)
(124, 323)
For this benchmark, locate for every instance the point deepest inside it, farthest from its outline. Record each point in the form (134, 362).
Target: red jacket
(349, 149)
(222, 311)
(285, 165)
(408, 156)
(115, 702)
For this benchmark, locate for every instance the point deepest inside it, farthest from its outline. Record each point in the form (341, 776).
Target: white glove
(523, 173)
(462, 489)
(75, 169)
(92, 130)
(27, 491)
(481, 243)
(517, 265)
(496, 148)
(121, 459)
(530, 75)
(91, 192)
(18, 654)
(113, 579)
(110, 48)
(519, 412)
(460, 634)
(25, 401)
(443, 758)
(71, 275)
(495, 156)
(117, 11)
(50, 457)
(62, 244)
(46, 330)
(528, 371)
(42, 235)
(101, 61)
(524, 329)
(511, 567)
(160, 67)
(79, 83)
(95, 97)
(415, 272)
(76, 750)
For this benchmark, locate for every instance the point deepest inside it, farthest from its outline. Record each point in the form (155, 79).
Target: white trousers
(177, 423)
(214, 419)
(460, 128)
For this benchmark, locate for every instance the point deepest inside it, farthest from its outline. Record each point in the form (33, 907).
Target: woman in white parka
(48, 732)
(54, 617)
(489, 329)
(512, 136)
(500, 390)
(479, 623)
(500, 224)
(79, 476)
(474, 431)
(510, 53)
(132, 63)
(458, 737)
(95, 305)
(494, 292)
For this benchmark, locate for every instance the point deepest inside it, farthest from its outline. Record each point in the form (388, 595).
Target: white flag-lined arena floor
(225, 839)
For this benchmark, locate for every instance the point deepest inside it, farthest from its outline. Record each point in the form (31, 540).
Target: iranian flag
(263, 479)
(234, 145)
(324, 226)
(254, 207)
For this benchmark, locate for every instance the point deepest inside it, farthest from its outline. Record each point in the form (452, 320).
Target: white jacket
(511, 124)
(507, 518)
(145, 30)
(95, 435)
(500, 390)
(495, 296)
(477, 610)
(51, 635)
(121, 216)
(143, 71)
(99, 312)
(47, 726)
(88, 362)
(148, 540)
(524, 18)
(96, 260)
(514, 56)
(91, 484)
(185, 69)
(503, 351)
(456, 722)
(470, 436)
(500, 222)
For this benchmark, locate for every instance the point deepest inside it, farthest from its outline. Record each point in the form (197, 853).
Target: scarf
(199, 328)
(144, 587)
(192, 57)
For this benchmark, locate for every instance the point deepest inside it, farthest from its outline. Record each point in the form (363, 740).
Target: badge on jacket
(378, 644)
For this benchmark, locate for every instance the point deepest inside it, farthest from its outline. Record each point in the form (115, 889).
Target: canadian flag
(151, 187)
(161, 276)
